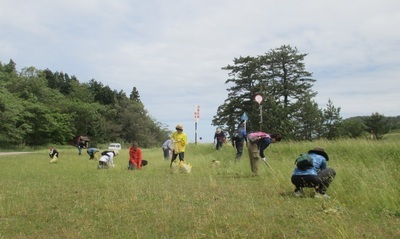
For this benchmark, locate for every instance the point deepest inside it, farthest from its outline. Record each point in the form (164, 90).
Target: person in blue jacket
(238, 139)
(92, 151)
(319, 176)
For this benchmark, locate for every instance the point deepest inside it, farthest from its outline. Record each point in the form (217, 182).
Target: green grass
(72, 199)
(393, 135)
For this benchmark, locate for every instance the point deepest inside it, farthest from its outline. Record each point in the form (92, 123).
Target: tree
(9, 68)
(353, 128)
(377, 125)
(135, 96)
(102, 94)
(241, 78)
(331, 121)
(41, 107)
(13, 127)
(307, 121)
(280, 77)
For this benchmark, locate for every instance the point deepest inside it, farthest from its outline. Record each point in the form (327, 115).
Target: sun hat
(320, 151)
(179, 126)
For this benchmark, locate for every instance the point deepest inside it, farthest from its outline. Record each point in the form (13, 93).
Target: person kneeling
(135, 157)
(311, 172)
(107, 159)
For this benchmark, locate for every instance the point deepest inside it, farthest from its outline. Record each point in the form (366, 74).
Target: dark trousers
(91, 156)
(174, 156)
(102, 165)
(166, 153)
(131, 166)
(239, 148)
(320, 182)
(219, 144)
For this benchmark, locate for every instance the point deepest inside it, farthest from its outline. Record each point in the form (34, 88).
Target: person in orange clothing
(135, 157)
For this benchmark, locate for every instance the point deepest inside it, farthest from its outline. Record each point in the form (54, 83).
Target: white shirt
(108, 158)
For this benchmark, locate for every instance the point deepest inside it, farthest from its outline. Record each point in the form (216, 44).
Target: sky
(172, 51)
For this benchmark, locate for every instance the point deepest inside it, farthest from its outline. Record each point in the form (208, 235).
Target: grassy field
(72, 199)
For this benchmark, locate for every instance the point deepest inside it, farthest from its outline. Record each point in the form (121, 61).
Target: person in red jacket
(135, 157)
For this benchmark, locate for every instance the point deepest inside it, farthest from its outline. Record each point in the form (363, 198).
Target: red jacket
(135, 157)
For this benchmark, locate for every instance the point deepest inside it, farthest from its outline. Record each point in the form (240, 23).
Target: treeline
(288, 104)
(41, 107)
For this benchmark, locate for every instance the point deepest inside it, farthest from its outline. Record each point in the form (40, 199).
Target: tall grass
(72, 199)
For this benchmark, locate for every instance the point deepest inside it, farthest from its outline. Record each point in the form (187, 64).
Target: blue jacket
(319, 163)
(243, 134)
(92, 150)
(263, 143)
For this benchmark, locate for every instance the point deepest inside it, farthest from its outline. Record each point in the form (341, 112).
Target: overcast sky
(172, 51)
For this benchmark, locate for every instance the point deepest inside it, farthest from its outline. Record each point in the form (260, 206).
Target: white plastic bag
(54, 159)
(185, 168)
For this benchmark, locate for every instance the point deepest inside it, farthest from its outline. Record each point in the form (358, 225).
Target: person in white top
(107, 159)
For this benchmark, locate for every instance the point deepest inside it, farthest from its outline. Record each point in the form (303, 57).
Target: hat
(219, 130)
(116, 152)
(320, 151)
(179, 126)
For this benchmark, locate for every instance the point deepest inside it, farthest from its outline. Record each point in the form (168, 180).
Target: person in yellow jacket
(180, 140)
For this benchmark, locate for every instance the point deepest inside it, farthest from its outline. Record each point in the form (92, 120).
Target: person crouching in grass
(317, 175)
(53, 155)
(92, 153)
(136, 160)
(107, 159)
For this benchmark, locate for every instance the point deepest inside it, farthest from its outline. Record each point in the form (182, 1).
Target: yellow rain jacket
(180, 141)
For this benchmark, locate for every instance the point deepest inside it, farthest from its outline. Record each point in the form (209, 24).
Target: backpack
(238, 135)
(255, 136)
(304, 162)
(106, 152)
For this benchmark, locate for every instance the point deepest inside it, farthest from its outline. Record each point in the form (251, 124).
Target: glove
(263, 159)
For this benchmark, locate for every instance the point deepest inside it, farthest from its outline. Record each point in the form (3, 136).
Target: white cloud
(173, 51)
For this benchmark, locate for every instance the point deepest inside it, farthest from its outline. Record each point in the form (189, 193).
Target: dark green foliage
(377, 125)
(332, 122)
(39, 107)
(281, 78)
(353, 128)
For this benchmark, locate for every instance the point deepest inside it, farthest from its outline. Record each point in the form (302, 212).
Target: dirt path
(12, 153)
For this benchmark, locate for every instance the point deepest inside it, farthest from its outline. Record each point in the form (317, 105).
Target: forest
(41, 107)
